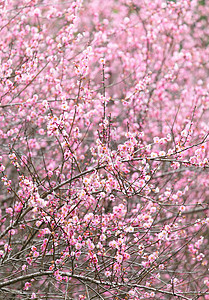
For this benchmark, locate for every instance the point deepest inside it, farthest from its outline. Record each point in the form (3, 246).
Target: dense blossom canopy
(104, 149)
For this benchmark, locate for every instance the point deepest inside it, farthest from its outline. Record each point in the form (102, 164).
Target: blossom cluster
(104, 149)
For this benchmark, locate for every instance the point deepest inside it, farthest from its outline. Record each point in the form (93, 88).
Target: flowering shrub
(104, 149)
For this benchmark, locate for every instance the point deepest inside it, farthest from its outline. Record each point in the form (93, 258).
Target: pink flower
(119, 258)
(90, 245)
(182, 208)
(33, 295)
(107, 273)
(2, 168)
(78, 246)
(126, 255)
(33, 248)
(35, 254)
(27, 286)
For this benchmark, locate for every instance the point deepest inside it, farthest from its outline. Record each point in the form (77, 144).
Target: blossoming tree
(104, 144)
